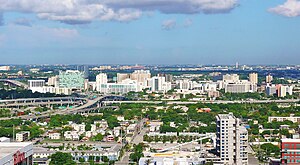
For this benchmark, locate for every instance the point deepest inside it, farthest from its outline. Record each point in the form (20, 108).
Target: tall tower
(232, 140)
(253, 78)
(101, 81)
(269, 78)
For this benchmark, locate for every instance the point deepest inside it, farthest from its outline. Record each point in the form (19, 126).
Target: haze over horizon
(149, 32)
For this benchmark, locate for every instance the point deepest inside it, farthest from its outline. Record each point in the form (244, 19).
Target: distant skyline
(149, 32)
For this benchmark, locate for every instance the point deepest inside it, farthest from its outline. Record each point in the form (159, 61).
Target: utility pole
(13, 133)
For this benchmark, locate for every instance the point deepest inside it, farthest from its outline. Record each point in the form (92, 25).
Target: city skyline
(149, 32)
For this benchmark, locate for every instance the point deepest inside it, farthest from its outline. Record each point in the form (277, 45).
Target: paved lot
(252, 160)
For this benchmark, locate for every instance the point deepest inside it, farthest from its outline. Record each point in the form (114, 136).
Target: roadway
(137, 138)
(208, 102)
(40, 101)
(86, 106)
(15, 82)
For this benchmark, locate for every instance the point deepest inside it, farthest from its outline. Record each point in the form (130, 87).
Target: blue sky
(149, 31)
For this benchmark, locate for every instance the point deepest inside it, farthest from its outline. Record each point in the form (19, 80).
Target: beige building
(122, 76)
(292, 118)
(140, 75)
(22, 136)
(269, 78)
(231, 78)
(253, 78)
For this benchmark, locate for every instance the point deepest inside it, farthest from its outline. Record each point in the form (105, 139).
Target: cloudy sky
(149, 31)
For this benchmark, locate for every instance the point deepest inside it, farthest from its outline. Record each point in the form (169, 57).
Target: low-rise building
(131, 129)
(54, 135)
(110, 138)
(290, 151)
(294, 119)
(22, 136)
(71, 135)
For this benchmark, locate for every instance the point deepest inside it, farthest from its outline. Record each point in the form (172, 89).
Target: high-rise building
(72, 79)
(290, 151)
(231, 78)
(122, 76)
(242, 86)
(159, 84)
(36, 83)
(269, 78)
(53, 81)
(232, 140)
(124, 86)
(169, 77)
(101, 79)
(271, 89)
(140, 75)
(281, 90)
(253, 78)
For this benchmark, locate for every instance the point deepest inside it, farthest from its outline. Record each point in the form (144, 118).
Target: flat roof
(290, 140)
(8, 148)
(226, 116)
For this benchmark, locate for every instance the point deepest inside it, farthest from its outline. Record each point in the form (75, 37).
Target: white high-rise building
(36, 83)
(242, 86)
(271, 89)
(159, 84)
(281, 90)
(100, 79)
(124, 86)
(289, 90)
(253, 78)
(232, 140)
(185, 84)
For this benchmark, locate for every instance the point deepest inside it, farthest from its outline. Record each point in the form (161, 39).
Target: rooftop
(226, 116)
(8, 148)
(290, 140)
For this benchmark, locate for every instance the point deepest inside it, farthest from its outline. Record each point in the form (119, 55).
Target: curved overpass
(15, 83)
(41, 101)
(90, 105)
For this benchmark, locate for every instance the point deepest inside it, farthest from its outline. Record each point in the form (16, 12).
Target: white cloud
(168, 24)
(85, 11)
(291, 8)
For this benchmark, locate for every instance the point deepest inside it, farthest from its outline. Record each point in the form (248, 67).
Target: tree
(98, 137)
(60, 158)
(270, 148)
(104, 159)
(88, 127)
(138, 152)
